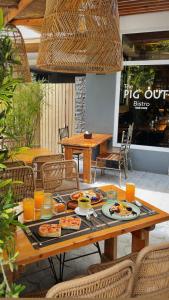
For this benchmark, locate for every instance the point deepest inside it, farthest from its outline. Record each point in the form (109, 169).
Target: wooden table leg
(103, 147)
(87, 153)
(68, 153)
(140, 239)
(110, 249)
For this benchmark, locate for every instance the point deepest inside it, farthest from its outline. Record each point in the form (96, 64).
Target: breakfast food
(122, 209)
(94, 197)
(72, 204)
(69, 222)
(50, 230)
(77, 195)
(59, 207)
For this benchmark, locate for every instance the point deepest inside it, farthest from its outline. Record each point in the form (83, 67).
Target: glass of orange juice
(130, 191)
(39, 199)
(28, 209)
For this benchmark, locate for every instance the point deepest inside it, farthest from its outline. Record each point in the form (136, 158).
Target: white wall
(145, 22)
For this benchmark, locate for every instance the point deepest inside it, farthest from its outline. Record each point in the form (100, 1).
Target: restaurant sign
(137, 96)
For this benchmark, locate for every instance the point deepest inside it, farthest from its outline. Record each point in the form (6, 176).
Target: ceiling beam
(131, 11)
(16, 11)
(141, 2)
(28, 22)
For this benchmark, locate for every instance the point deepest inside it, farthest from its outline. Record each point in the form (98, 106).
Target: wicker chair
(63, 133)
(115, 282)
(152, 270)
(60, 176)
(14, 163)
(26, 186)
(37, 163)
(14, 143)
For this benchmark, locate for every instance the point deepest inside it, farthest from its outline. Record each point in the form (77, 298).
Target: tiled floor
(153, 188)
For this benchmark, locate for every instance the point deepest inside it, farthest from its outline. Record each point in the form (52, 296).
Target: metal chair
(37, 163)
(152, 270)
(63, 133)
(115, 282)
(26, 185)
(60, 176)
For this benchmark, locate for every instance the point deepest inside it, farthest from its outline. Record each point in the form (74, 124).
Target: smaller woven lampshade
(21, 70)
(81, 36)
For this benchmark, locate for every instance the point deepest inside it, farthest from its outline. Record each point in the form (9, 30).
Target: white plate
(81, 212)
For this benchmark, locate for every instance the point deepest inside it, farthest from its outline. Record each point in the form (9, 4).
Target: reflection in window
(146, 46)
(144, 100)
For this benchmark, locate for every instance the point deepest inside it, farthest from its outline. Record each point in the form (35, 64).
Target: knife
(146, 209)
(31, 234)
(88, 225)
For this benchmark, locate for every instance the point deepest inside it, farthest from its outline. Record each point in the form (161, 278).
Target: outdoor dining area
(84, 150)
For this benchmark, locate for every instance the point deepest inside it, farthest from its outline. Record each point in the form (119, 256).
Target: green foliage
(7, 82)
(1, 18)
(8, 215)
(22, 119)
(141, 77)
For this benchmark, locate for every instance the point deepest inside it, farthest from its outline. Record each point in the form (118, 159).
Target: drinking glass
(111, 196)
(28, 209)
(47, 207)
(130, 192)
(39, 198)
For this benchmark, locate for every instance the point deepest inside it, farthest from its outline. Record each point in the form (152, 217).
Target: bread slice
(50, 230)
(70, 223)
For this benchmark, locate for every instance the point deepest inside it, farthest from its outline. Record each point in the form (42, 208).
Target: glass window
(144, 100)
(146, 46)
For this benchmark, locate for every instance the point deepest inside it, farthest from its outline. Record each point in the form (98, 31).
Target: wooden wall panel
(58, 111)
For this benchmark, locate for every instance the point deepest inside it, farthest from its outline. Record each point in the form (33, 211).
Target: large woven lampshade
(22, 69)
(81, 36)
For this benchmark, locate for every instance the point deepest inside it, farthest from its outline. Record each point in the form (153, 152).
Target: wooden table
(139, 228)
(77, 142)
(28, 155)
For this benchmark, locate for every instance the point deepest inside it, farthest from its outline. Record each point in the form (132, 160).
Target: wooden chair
(26, 186)
(112, 161)
(37, 163)
(115, 282)
(126, 140)
(60, 176)
(152, 270)
(63, 133)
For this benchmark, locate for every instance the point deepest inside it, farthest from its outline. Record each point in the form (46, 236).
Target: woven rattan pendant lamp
(80, 36)
(21, 70)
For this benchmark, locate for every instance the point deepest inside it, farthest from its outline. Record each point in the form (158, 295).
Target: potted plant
(8, 215)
